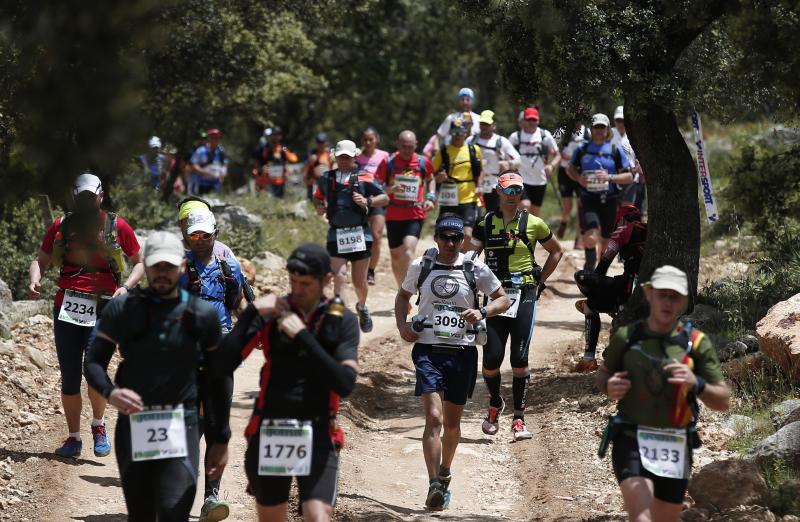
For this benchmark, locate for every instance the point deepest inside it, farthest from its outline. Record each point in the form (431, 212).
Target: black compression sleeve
(220, 393)
(602, 266)
(340, 378)
(95, 366)
(228, 355)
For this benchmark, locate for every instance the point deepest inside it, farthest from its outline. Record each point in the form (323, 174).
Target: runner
(599, 167)
(458, 169)
(633, 193)
(161, 333)
(509, 237)
(466, 97)
(607, 294)
(345, 199)
(310, 346)
(317, 163)
(445, 332)
(657, 369)
(155, 163)
(498, 156)
(406, 175)
(272, 160)
(209, 165)
(368, 161)
(219, 281)
(539, 158)
(567, 187)
(87, 246)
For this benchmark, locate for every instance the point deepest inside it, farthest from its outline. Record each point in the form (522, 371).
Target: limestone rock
(780, 413)
(739, 424)
(751, 341)
(267, 261)
(746, 514)
(782, 445)
(743, 368)
(705, 317)
(726, 484)
(36, 357)
(779, 335)
(732, 350)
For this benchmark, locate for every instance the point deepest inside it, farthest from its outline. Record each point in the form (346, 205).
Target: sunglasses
(454, 238)
(513, 190)
(197, 236)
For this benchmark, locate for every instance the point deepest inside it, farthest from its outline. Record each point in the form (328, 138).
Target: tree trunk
(673, 212)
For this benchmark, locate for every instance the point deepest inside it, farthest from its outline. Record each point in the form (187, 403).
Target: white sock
(76, 435)
(97, 422)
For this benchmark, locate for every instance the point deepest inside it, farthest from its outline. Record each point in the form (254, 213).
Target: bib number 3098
(447, 321)
(78, 308)
(349, 240)
(663, 451)
(285, 448)
(158, 434)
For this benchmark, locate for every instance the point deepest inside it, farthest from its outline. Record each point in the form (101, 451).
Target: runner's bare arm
(500, 303)
(401, 305)
(621, 178)
(715, 395)
(137, 272)
(554, 252)
(615, 386)
(37, 268)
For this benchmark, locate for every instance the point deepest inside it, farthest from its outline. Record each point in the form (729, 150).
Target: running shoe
(445, 481)
(520, 431)
(71, 448)
(364, 320)
(580, 305)
(435, 499)
(101, 445)
(491, 422)
(214, 509)
(561, 229)
(585, 365)
(371, 277)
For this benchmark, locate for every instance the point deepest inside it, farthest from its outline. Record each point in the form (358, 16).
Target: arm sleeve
(329, 370)
(127, 238)
(613, 354)
(101, 350)
(619, 239)
(237, 345)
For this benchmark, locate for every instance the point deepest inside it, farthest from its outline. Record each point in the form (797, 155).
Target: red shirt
(401, 210)
(97, 282)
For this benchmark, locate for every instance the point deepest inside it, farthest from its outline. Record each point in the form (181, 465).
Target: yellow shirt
(460, 170)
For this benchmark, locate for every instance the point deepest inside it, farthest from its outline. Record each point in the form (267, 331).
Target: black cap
(450, 223)
(309, 259)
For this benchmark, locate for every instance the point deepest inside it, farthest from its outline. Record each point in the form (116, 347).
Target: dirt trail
(383, 474)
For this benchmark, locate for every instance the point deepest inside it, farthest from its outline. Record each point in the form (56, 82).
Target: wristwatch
(483, 311)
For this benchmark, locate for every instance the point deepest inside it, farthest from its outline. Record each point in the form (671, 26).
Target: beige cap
(346, 148)
(163, 247)
(668, 277)
(600, 119)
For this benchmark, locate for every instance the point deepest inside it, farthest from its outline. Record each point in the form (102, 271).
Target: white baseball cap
(163, 247)
(201, 220)
(87, 182)
(668, 277)
(618, 113)
(600, 119)
(154, 143)
(346, 148)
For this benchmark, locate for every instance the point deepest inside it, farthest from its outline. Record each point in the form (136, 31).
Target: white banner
(702, 169)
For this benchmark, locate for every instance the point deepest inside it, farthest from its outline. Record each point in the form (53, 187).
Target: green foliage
(138, 203)
(21, 231)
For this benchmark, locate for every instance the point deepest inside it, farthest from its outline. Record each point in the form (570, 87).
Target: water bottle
(418, 323)
(481, 335)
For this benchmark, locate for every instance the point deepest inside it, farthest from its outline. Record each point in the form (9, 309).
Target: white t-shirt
(444, 129)
(577, 139)
(443, 293)
(494, 150)
(624, 144)
(530, 147)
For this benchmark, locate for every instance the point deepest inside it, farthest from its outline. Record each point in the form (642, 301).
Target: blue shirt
(155, 165)
(202, 156)
(599, 157)
(212, 288)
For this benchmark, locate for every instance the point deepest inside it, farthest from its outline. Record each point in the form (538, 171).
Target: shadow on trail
(106, 482)
(117, 517)
(22, 456)
(547, 391)
(560, 325)
(385, 512)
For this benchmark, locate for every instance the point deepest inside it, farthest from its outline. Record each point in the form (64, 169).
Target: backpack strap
(229, 285)
(468, 267)
(428, 262)
(615, 153)
(113, 248)
(445, 165)
(194, 276)
(636, 335)
(523, 232)
(474, 162)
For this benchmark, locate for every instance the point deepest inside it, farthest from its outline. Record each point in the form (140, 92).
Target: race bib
(595, 185)
(447, 322)
(350, 240)
(275, 171)
(285, 448)
(663, 451)
(158, 434)
(216, 169)
(448, 195)
(406, 188)
(78, 308)
(489, 183)
(513, 295)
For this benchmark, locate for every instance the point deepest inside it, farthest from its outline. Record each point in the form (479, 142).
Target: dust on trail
(383, 475)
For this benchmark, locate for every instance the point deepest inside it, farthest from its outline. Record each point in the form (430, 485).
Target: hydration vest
(498, 250)
(467, 266)
(421, 168)
(67, 243)
(474, 163)
(231, 292)
(340, 213)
